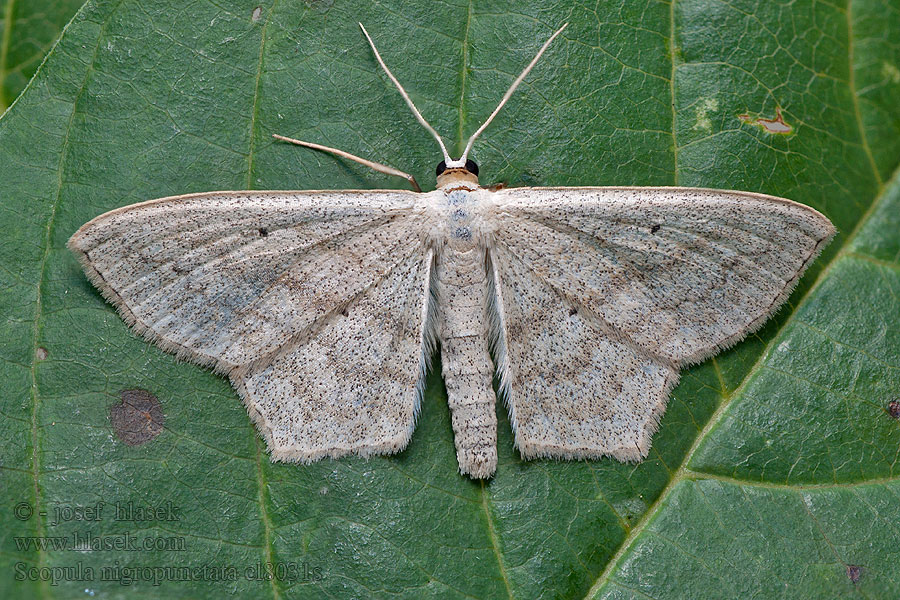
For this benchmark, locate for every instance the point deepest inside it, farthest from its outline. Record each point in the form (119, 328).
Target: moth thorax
(457, 178)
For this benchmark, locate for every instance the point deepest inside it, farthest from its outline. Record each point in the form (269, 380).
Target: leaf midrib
(463, 80)
(851, 82)
(261, 481)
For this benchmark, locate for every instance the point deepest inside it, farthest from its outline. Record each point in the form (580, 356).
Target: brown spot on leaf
(893, 408)
(257, 13)
(138, 418)
(854, 572)
(776, 125)
(41, 353)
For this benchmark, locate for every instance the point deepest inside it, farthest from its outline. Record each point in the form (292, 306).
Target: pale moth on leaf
(324, 307)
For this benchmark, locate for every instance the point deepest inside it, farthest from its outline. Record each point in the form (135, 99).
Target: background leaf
(27, 30)
(773, 472)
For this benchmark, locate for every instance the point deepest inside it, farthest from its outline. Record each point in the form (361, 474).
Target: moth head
(456, 172)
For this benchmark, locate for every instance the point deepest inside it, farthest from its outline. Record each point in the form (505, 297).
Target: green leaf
(27, 30)
(773, 471)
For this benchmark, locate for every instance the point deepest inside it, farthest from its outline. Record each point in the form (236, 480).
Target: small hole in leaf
(654, 229)
(41, 353)
(854, 572)
(263, 232)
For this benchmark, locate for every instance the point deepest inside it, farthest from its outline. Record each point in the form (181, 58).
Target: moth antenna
(406, 97)
(386, 169)
(508, 93)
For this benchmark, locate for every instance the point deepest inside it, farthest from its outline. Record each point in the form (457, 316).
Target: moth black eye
(470, 166)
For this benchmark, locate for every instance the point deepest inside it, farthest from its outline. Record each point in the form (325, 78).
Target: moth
(324, 308)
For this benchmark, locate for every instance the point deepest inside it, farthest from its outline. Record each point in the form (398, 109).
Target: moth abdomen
(467, 374)
(467, 367)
